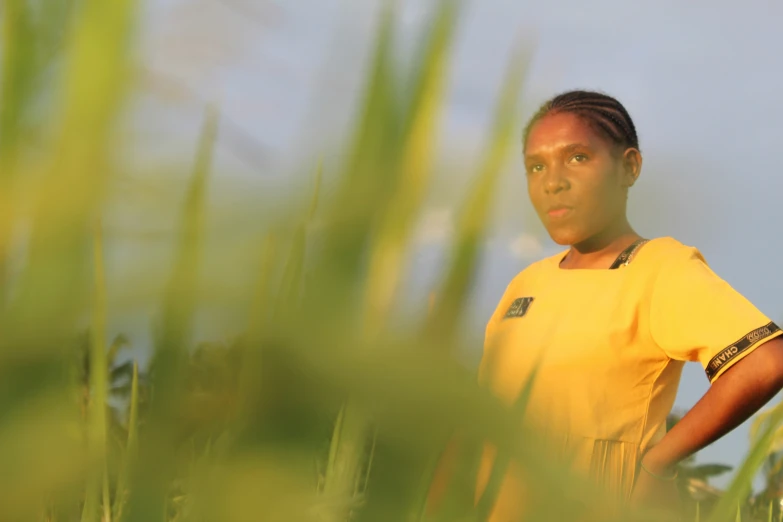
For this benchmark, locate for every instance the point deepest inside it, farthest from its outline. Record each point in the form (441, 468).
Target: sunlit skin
(578, 182)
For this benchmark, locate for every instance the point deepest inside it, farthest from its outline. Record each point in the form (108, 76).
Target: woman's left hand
(656, 494)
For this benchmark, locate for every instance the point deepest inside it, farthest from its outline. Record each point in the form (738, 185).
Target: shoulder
(675, 269)
(666, 252)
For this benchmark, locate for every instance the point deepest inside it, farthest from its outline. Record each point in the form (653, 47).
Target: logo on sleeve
(519, 307)
(728, 354)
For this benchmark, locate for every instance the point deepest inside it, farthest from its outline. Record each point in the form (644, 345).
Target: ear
(632, 166)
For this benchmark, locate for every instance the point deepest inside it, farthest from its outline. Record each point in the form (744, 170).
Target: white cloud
(526, 246)
(436, 226)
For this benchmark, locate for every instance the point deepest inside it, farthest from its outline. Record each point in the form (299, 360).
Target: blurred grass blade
(375, 142)
(31, 38)
(51, 288)
(258, 324)
(98, 384)
(346, 462)
(742, 483)
(180, 301)
(361, 194)
(408, 182)
(759, 421)
(459, 501)
(319, 171)
(430, 474)
(476, 214)
(119, 342)
(292, 281)
(459, 498)
(106, 503)
(148, 497)
(19, 70)
(504, 454)
(259, 309)
(361, 484)
(334, 443)
(131, 448)
(18, 74)
(393, 238)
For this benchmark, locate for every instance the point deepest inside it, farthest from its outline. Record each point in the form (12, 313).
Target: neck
(600, 250)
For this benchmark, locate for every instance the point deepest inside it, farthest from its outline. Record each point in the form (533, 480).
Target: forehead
(558, 130)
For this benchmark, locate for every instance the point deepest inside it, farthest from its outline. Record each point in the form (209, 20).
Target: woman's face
(577, 180)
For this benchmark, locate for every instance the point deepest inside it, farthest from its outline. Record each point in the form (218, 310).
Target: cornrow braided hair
(604, 113)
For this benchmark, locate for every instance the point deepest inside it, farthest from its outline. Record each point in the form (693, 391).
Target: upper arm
(765, 363)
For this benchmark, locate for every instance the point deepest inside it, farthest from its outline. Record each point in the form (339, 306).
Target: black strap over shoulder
(625, 256)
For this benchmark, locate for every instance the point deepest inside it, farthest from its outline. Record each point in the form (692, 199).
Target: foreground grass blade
(361, 194)
(459, 498)
(19, 70)
(475, 216)
(131, 448)
(96, 416)
(106, 502)
(258, 324)
(759, 421)
(419, 138)
(421, 502)
(51, 288)
(292, 281)
(334, 443)
(319, 172)
(348, 461)
(360, 198)
(148, 498)
(455, 287)
(260, 307)
(503, 459)
(180, 300)
(741, 485)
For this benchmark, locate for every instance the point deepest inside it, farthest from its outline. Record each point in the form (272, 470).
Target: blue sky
(702, 82)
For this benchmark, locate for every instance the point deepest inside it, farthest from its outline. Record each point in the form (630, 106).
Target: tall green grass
(322, 408)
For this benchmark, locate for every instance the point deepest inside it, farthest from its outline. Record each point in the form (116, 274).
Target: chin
(565, 237)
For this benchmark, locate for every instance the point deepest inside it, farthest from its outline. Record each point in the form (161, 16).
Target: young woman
(609, 322)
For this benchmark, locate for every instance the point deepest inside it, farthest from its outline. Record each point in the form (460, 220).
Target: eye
(538, 167)
(579, 158)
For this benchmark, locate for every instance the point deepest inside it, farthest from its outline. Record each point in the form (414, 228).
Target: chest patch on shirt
(519, 307)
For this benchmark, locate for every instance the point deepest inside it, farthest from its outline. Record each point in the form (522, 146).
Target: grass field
(319, 407)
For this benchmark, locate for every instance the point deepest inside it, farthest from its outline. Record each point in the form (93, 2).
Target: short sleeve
(697, 316)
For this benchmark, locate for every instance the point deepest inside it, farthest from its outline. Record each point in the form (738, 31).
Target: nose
(555, 181)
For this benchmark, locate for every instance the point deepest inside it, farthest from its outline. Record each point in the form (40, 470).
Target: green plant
(321, 407)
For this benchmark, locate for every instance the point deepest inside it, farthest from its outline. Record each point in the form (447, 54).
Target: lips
(558, 211)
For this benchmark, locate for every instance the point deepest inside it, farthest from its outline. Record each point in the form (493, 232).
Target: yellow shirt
(610, 346)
